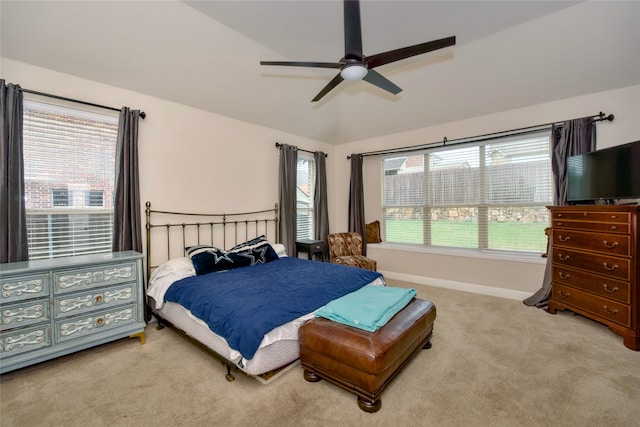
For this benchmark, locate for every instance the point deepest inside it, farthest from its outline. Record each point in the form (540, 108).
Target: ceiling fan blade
(333, 83)
(407, 52)
(379, 80)
(352, 30)
(304, 64)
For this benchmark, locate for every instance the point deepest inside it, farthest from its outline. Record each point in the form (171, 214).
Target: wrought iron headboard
(183, 229)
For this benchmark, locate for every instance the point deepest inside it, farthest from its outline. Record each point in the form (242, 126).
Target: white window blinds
(489, 195)
(69, 167)
(305, 185)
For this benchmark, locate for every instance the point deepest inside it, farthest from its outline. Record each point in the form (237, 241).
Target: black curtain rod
(278, 145)
(486, 137)
(48, 95)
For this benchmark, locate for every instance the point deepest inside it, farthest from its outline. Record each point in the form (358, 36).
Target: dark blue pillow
(258, 249)
(208, 259)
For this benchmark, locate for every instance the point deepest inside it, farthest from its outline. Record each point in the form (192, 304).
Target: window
(305, 184)
(61, 198)
(94, 198)
(489, 195)
(69, 168)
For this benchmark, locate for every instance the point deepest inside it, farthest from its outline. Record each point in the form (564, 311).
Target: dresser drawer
(91, 277)
(568, 215)
(623, 228)
(17, 288)
(601, 307)
(71, 304)
(610, 266)
(24, 314)
(613, 244)
(95, 323)
(606, 287)
(23, 340)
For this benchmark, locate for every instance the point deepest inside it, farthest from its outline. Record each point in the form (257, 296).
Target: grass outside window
(516, 236)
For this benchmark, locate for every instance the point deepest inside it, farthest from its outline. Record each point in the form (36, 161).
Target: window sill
(465, 253)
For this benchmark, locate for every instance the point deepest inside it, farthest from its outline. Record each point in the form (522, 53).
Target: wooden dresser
(49, 308)
(595, 266)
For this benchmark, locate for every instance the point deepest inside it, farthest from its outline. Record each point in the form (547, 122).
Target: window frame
(305, 211)
(484, 206)
(79, 227)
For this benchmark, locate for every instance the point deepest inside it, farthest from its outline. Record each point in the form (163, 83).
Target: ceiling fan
(355, 65)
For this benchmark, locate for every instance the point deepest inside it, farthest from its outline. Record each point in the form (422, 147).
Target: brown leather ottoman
(365, 362)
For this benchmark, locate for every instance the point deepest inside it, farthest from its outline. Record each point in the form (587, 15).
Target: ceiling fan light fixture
(354, 72)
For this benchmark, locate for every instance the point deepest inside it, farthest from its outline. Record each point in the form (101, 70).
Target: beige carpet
(494, 362)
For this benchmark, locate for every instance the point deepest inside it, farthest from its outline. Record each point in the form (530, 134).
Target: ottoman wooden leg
(369, 405)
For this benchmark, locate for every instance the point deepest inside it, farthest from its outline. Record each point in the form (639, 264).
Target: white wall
(190, 160)
(186, 162)
(512, 278)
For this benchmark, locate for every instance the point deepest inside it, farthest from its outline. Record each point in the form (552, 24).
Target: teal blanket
(368, 308)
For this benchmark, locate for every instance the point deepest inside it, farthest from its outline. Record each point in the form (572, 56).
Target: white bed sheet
(278, 348)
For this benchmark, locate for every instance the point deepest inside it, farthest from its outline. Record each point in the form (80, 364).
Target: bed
(206, 292)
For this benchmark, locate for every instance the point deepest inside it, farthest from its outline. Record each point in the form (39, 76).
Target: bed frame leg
(160, 325)
(229, 375)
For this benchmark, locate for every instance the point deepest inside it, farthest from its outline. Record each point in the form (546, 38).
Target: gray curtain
(127, 230)
(570, 138)
(356, 201)
(320, 205)
(13, 222)
(288, 197)
(574, 137)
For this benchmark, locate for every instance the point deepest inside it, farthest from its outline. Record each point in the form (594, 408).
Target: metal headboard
(178, 230)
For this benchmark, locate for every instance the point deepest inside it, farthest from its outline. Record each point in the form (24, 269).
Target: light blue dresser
(49, 308)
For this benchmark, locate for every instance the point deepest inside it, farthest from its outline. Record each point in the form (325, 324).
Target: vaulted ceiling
(206, 54)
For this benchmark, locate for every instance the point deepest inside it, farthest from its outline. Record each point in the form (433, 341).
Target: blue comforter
(244, 304)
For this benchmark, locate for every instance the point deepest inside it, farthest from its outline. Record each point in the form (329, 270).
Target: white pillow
(164, 276)
(280, 249)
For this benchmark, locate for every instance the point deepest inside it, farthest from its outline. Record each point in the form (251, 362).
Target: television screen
(609, 174)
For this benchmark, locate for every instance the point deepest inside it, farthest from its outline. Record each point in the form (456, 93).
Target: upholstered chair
(346, 249)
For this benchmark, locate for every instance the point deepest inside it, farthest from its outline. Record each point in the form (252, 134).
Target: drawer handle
(98, 299)
(559, 215)
(99, 321)
(564, 294)
(559, 224)
(564, 257)
(614, 311)
(614, 227)
(606, 266)
(564, 238)
(614, 216)
(606, 288)
(609, 245)
(565, 276)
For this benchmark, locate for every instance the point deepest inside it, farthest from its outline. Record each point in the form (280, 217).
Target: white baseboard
(459, 286)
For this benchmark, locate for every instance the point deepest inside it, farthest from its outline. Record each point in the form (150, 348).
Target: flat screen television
(608, 175)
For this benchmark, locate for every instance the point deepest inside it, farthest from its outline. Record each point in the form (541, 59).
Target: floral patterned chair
(346, 249)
